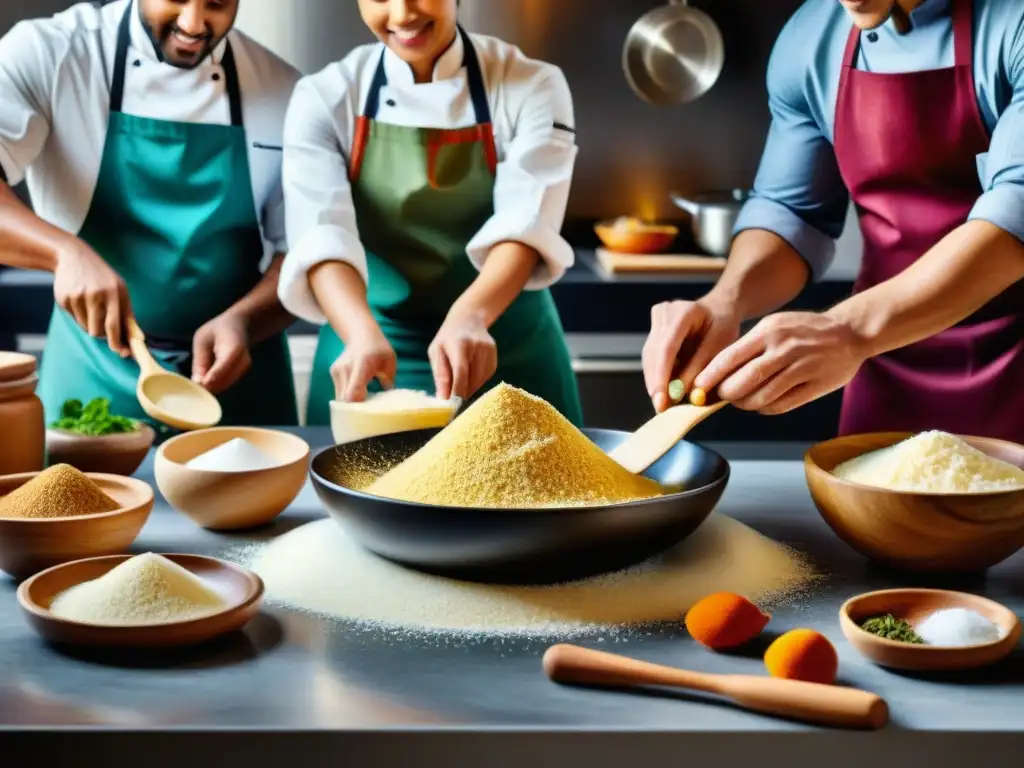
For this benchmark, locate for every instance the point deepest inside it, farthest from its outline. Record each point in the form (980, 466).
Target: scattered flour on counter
(932, 462)
(319, 569)
(236, 455)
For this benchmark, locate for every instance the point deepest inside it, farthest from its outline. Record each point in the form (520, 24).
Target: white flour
(236, 455)
(318, 568)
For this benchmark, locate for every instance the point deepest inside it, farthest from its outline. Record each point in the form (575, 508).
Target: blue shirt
(799, 194)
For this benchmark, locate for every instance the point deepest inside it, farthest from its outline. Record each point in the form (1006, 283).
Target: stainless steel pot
(673, 54)
(713, 216)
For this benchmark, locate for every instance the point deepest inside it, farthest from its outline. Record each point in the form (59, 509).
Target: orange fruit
(803, 654)
(725, 620)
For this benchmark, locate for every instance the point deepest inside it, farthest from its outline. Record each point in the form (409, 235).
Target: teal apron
(420, 196)
(173, 215)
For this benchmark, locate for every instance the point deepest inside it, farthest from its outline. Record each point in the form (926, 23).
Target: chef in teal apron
(173, 214)
(417, 213)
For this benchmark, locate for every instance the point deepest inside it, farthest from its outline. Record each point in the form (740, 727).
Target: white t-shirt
(55, 76)
(532, 112)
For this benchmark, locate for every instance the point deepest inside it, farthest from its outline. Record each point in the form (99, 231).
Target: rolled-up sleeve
(535, 175)
(319, 212)
(798, 192)
(1001, 169)
(29, 61)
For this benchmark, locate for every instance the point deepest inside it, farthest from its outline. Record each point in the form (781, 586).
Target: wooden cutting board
(613, 262)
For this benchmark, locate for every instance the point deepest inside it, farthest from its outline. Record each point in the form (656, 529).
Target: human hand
(367, 356)
(785, 361)
(463, 356)
(220, 353)
(86, 287)
(686, 335)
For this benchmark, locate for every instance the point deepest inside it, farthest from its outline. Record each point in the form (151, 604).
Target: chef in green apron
(152, 130)
(426, 180)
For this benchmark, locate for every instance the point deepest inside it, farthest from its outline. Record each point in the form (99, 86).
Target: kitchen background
(631, 156)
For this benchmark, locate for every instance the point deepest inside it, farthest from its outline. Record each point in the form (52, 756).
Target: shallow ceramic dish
(117, 454)
(28, 545)
(913, 606)
(242, 589)
(935, 532)
(224, 500)
(509, 545)
(640, 238)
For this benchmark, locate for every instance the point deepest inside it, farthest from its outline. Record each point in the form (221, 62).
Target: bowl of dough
(929, 502)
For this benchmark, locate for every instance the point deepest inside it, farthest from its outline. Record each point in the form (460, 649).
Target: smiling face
(187, 31)
(417, 31)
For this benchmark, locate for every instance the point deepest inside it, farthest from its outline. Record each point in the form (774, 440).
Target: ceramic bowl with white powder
(231, 477)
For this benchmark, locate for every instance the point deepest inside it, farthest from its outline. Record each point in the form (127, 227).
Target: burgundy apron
(906, 146)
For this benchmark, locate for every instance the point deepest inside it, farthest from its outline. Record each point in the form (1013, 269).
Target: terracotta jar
(23, 442)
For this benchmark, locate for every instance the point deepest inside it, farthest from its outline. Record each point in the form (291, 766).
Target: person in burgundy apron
(906, 146)
(912, 187)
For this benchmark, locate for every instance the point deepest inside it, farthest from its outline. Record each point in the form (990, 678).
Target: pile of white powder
(236, 455)
(319, 569)
(932, 462)
(146, 589)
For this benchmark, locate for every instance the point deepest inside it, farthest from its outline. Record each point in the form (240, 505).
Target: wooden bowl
(118, 454)
(926, 532)
(242, 589)
(914, 605)
(29, 545)
(220, 500)
(640, 238)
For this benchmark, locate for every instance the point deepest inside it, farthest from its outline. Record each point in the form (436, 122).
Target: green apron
(173, 214)
(420, 196)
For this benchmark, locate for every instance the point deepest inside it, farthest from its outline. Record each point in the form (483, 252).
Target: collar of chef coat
(448, 65)
(925, 13)
(142, 43)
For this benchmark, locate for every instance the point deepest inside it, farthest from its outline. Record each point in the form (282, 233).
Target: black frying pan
(528, 546)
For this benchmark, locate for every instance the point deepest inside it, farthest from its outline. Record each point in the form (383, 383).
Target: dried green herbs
(891, 628)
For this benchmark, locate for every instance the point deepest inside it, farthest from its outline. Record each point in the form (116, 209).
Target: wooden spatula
(808, 702)
(655, 438)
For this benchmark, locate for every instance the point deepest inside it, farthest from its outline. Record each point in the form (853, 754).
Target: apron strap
(121, 63)
(963, 30)
(474, 77)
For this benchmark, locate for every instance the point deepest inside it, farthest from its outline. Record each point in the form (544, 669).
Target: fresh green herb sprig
(93, 419)
(891, 628)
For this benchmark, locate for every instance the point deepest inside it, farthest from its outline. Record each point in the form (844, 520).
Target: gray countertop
(290, 672)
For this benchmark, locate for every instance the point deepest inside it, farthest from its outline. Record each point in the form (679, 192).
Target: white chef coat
(55, 78)
(532, 112)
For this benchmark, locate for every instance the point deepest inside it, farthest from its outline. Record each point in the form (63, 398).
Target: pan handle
(687, 205)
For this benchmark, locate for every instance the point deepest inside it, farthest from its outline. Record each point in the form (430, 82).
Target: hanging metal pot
(673, 54)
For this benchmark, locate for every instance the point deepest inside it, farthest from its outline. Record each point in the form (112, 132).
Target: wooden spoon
(169, 397)
(807, 702)
(655, 438)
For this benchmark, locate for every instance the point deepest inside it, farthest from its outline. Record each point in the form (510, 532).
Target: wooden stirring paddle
(169, 397)
(655, 438)
(808, 702)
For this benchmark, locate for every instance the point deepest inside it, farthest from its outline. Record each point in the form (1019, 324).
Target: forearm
(264, 316)
(502, 278)
(959, 275)
(341, 293)
(26, 241)
(763, 273)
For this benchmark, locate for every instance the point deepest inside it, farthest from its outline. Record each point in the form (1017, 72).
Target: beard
(164, 42)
